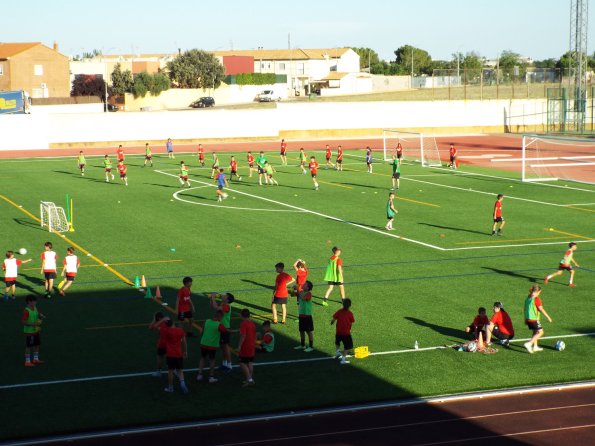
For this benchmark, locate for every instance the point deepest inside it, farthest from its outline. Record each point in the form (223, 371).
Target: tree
(472, 61)
(367, 57)
(545, 63)
(88, 85)
(122, 81)
(421, 59)
(150, 83)
(160, 83)
(196, 69)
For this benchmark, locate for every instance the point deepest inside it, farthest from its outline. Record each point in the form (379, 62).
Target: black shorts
(207, 353)
(160, 352)
(306, 323)
(498, 220)
(328, 158)
(123, 175)
(148, 157)
(498, 334)
(32, 340)
(108, 170)
(251, 165)
(219, 187)
(534, 325)
(69, 278)
(184, 315)
(215, 166)
(346, 340)
(339, 161)
(397, 175)
(563, 267)
(246, 359)
(81, 166)
(399, 155)
(174, 363)
(282, 153)
(368, 162)
(260, 170)
(234, 172)
(335, 283)
(452, 158)
(313, 175)
(280, 300)
(50, 275)
(9, 282)
(224, 338)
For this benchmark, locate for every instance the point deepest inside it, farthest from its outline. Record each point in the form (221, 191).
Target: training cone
(148, 294)
(480, 343)
(136, 282)
(157, 293)
(143, 282)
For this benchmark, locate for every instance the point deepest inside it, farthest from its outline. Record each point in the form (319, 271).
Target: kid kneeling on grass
(265, 341)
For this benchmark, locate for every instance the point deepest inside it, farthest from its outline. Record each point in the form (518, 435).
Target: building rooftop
(12, 49)
(293, 54)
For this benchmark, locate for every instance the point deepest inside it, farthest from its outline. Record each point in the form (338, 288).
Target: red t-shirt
(184, 300)
(201, 155)
(502, 320)
(250, 158)
(328, 153)
(302, 275)
(538, 304)
(122, 169)
(340, 154)
(162, 341)
(344, 320)
(399, 149)
(267, 338)
(281, 285)
(453, 151)
(173, 343)
(248, 347)
(480, 321)
(498, 209)
(283, 148)
(313, 167)
(233, 165)
(120, 153)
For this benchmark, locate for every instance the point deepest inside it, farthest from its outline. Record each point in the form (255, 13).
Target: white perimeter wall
(38, 130)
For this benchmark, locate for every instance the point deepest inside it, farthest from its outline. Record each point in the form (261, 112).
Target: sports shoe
(156, 374)
(537, 349)
(338, 354)
(169, 390)
(572, 284)
(199, 377)
(506, 343)
(299, 347)
(546, 280)
(344, 361)
(324, 303)
(528, 346)
(248, 383)
(184, 388)
(308, 349)
(38, 361)
(213, 380)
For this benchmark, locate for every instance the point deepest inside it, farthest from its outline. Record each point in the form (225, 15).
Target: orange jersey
(313, 167)
(122, 168)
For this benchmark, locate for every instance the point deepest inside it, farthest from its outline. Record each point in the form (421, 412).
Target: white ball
(560, 345)
(22, 251)
(225, 195)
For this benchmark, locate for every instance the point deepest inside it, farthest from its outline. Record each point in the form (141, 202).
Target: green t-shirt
(305, 303)
(184, 171)
(32, 319)
(107, 163)
(302, 156)
(396, 166)
(268, 168)
(389, 211)
(260, 161)
(210, 335)
(147, 151)
(81, 159)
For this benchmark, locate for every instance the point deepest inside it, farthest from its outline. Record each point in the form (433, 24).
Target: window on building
(281, 66)
(38, 70)
(1, 69)
(300, 68)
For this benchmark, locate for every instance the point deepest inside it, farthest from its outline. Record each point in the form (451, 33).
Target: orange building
(31, 66)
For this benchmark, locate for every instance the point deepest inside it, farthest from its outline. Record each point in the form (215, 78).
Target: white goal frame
(53, 217)
(429, 155)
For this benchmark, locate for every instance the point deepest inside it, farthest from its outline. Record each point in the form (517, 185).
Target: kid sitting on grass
(479, 324)
(265, 342)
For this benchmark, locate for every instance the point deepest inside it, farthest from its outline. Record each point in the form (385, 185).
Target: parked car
(203, 102)
(268, 96)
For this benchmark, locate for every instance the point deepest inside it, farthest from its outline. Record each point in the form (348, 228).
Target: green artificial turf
(403, 290)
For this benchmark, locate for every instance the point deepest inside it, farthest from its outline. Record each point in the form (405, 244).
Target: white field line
(330, 217)
(545, 158)
(221, 206)
(562, 164)
(262, 364)
(564, 242)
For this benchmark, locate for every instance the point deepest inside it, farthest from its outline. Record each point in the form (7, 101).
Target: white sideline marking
(564, 242)
(545, 158)
(263, 364)
(175, 195)
(562, 164)
(487, 155)
(330, 217)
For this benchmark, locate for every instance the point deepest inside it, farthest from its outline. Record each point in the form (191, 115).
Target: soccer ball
(225, 196)
(22, 251)
(472, 346)
(560, 345)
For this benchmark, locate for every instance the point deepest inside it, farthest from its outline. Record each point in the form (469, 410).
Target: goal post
(53, 217)
(554, 158)
(416, 147)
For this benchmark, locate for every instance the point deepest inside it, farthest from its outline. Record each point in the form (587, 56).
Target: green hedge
(255, 79)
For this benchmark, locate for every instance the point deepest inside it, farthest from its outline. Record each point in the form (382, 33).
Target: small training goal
(53, 217)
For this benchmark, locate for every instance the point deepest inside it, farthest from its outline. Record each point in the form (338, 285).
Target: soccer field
(421, 282)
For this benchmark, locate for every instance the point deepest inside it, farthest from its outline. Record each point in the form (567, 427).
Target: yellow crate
(362, 352)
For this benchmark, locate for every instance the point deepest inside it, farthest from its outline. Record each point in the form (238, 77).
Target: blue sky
(535, 28)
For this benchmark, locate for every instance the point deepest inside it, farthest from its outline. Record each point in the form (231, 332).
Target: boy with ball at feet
(222, 182)
(533, 309)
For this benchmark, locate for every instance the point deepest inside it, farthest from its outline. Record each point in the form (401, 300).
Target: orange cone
(143, 282)
(480, 344)
(157, 293)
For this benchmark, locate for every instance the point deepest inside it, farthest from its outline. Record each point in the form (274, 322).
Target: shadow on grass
(29, 223)
(452, 228)
(513, 274)
(446, 331)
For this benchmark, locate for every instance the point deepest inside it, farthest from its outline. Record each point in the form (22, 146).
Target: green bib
(305, 306)
(226, 321)
(332, 272)
(270, 347)
(531, 313)
(210, 334)
(32, 319)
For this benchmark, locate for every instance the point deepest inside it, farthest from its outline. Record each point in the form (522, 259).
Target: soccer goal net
(53, 217)
(552, 158)
(416, 147)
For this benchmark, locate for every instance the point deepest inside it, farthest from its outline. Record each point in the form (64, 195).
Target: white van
(268, 96)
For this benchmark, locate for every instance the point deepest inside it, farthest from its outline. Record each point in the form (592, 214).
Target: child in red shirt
(479, 324)
(280, 294)
(184, 306)
(344, 318)
(158, 324)
(247, 347)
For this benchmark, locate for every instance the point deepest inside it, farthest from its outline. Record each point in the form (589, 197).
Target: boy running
(453, 157)
(247, 347)
(283, 153)
(339, 164)
(48, 268)
(184, 306)
(390, 211)
(107, 165)
(233, 167)
(10, 267)
(176, 349)
(303, 160)
(500, 326)
(215, 165)
(120, 153)
(344, 318)
(31, 320)
(269, 173)
(565, 264)
(260, 162)
(184, 175)
(201, 155)
(265, 343)
(498, 215)
(334, 275)
(479, 324)
(80, 160)
(250, 159)
(225, 306)
(313, 171)
(533, 308)
(209, 343)
(70, 267)
(169, 145)
(306, 323)
(280, 293)
(222, 182)
(148, 155)
(123, 169)
(396, 177)
(369, 159)
(158, 324)
(328, 153)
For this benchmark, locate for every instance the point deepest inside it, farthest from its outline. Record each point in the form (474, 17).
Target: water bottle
(416, 345)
